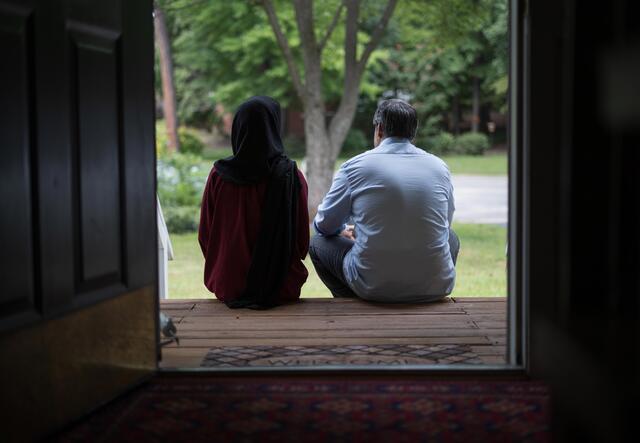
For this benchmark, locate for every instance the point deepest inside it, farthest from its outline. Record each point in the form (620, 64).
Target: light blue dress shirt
(400, 199)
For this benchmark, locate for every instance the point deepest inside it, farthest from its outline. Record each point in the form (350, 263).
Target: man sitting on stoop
(400, 199)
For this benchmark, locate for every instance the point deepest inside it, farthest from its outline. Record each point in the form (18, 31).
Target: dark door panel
(19, 182)
(97, 150)
(78, 190)
(77, 222)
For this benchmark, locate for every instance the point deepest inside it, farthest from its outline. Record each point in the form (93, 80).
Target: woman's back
(230, 225)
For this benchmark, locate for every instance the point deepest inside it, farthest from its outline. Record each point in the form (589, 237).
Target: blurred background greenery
(447, 57)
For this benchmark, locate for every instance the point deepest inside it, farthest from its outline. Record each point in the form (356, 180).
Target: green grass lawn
(481, 265)
(488, 164)
(493, 163)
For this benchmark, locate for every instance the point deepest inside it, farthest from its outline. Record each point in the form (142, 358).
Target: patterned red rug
(208, 409)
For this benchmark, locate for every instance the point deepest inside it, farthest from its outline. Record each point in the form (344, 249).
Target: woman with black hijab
(254, 223)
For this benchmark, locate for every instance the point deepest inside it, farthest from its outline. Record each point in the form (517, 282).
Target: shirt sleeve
(335, 208)
(452, 203)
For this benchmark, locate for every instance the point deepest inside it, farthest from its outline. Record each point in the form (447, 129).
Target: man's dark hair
(397, 117)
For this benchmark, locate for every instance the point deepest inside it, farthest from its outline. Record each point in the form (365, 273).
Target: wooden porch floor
(477, 323)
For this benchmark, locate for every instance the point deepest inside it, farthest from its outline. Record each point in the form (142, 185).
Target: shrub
(355, 143)
(189, 142)
(181, 181)
(181, 219)
(471, 143)
(439, 144)
(442, 144)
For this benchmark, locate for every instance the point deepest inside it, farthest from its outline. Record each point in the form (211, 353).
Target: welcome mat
(328, 355)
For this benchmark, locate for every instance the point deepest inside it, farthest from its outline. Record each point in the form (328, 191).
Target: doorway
(468, 328)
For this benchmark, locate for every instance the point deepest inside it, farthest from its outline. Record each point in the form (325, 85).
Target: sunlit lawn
(492, 163)
(481, 265)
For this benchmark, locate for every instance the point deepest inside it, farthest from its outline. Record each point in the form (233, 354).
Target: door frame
(518, 253)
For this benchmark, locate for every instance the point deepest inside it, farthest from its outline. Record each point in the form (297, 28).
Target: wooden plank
(482, 303)
(478, 322)
(497, 339)
(485, 310)
(177, 313)
(177, 301)
(490, 324)
(309, 310)
(489, 350)
(325, 322)
(205, 312)
(319, 301)
(486, 359)
(328, 308)
(316, 341)
(408, 334)
(489, 316)
(176, 306)
(459, 299)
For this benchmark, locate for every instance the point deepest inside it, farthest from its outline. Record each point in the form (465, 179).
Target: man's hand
(349, 232)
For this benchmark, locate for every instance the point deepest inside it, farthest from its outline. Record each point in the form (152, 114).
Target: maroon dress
(229, 226)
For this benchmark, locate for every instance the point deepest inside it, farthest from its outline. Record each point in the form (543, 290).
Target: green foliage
(225, 52)
(161, 138)
(189, 142)
(442, 46)
(444, 143)
(440, 144)
(471, 143)
(355, 143)
(181, 219)
(181, 181)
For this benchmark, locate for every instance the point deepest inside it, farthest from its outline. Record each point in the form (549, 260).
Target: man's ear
(379, 131)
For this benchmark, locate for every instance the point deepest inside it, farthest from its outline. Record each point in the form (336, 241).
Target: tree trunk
(325, 141)
(475, 105)
(166, 74)
(320, 159)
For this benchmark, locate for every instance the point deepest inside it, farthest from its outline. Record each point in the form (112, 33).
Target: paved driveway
(481, 199)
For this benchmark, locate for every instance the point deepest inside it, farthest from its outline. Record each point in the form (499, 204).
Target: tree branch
(342, 119)
(353, 69)
(376, 36)
(285, 48)
(332, 26)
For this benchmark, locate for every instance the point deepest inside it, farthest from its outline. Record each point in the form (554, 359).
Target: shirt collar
(393, 144)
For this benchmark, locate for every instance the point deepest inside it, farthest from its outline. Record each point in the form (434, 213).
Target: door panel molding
(99, 191)
(79, 143)
(20, 298)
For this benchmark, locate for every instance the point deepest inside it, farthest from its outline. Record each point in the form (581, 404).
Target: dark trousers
(327, 255)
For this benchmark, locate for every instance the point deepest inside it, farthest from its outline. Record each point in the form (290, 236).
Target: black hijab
(258, 155)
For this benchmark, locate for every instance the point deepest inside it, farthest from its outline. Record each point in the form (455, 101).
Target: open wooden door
(78, 303)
